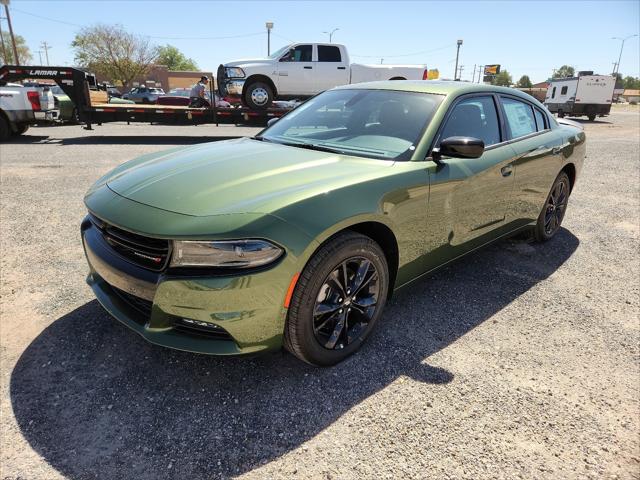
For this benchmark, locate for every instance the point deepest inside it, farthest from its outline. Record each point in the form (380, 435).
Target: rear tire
(555, 207)
(592, 118)
(560, 114)
(5, 130)
(338, 300)
(21, 129)
(258, 96)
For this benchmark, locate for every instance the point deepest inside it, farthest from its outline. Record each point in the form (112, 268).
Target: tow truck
(92, 101)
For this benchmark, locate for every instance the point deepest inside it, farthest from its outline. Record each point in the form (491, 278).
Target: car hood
(237, 176)
(249, 62)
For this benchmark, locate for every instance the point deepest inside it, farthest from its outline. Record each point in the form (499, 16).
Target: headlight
(227, 253)
(234, 72)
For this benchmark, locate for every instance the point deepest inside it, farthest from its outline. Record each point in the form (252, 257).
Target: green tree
(6, 50)
(525, 82)
(564, 71)
(174, 59)
(632, 83)
(503, 78)
(114, 53)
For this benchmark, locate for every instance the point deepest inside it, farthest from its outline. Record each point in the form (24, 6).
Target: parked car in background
(22, 106)
(113, 92)
(64, 105)
(143, 94)
(302, 70)
(298, 236)
(181, 97)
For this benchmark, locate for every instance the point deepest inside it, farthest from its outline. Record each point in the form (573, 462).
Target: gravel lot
(520, 361)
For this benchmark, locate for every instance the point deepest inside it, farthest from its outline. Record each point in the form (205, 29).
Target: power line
(405, 54)
(158, 37)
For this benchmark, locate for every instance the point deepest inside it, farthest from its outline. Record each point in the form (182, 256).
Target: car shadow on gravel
(97, 401)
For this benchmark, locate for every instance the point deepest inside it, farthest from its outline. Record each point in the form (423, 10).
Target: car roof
(438, 87)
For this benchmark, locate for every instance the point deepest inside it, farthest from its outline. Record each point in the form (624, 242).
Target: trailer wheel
(592, 117)
(560, 114)
(258, 96)
(5, 131)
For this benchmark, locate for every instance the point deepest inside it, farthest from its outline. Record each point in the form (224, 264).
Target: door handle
(342, 68)
(556, 150)
(506, 170)
(308, 68)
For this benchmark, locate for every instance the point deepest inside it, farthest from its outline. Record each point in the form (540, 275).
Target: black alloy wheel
(346, 303)
(555, 207)
(338, 299)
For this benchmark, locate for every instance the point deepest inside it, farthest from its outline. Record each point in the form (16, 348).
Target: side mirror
(273, 120)
(460, 147)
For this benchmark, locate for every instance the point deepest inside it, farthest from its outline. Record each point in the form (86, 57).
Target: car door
(469, 197)
(295, 72)
(538, 150)
(331, 70)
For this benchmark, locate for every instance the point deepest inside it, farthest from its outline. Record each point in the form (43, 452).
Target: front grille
(139, 304)
(151, 253)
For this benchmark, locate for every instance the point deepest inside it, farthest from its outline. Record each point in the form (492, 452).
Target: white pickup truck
(23, 106)
(301, 70)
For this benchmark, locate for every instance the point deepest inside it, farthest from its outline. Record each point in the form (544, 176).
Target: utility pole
(331, 33)
(473, 77)
(460, 68)
(269, 26)
(455, 72)
(13, 39)
(621, 47)
(4, 47)
(480, 72)
(40, 55)
(45, 47)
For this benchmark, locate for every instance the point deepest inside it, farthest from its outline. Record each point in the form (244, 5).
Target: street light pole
(621, 47)
(269, 26)
(331, 33)
(455, 72)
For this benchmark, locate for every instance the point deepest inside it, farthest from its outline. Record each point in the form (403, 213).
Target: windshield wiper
(314, 146)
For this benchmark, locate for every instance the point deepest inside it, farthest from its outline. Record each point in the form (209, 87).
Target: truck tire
(560, 114)
(592, 117)
(5, 130)
(258, 96)
(20, 129)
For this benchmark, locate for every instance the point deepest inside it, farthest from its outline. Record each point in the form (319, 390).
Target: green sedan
(299, 236)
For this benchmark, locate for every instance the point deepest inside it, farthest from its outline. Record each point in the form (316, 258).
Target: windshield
(384, 124)
(57, 90)
(280, 52)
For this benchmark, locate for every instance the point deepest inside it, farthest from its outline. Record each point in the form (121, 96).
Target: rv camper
(585, 95)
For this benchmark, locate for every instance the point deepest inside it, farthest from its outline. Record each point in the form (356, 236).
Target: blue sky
(524, 37)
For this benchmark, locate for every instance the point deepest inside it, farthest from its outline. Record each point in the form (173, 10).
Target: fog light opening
(199, 323)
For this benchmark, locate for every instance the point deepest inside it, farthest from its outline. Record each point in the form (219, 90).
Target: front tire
(258, 96)
(552, 214)
(5, 130)
(338, 300)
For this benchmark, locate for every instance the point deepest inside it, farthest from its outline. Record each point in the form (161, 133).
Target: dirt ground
(520, 361)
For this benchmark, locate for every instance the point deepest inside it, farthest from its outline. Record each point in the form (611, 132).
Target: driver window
(301, 53)
(474, 117)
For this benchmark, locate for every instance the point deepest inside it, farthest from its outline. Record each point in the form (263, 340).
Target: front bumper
(248, 309)
(232, 87)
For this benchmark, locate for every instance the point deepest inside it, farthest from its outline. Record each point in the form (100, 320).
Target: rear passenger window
(328, 54)
(540, 123)
(519, 117)
(474, 117)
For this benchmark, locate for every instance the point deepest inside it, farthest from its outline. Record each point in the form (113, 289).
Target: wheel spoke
(329, 319)
(360, 275)
(366, 282)
(365, 302)
(325, 307)
(337, 332)
(334, 283)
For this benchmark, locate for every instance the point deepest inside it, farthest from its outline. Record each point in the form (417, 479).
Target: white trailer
(585, 95)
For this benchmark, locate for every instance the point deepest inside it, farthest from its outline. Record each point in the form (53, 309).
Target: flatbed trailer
(92, 103)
